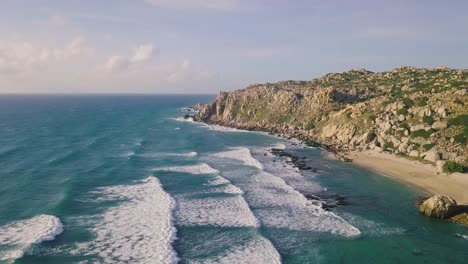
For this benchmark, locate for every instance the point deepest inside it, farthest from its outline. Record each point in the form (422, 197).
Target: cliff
(413, 112)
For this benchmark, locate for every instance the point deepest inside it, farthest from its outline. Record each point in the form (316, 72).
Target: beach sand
(419, 175)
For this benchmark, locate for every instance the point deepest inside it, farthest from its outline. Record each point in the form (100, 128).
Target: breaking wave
(241, 154)
(20, 235)
(139, 230)
(202, 168)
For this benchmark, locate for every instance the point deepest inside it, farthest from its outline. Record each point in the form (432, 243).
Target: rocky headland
(417, 114)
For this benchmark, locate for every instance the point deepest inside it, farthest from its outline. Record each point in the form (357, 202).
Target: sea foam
(20, 235)
(278, 205)
(168, 154)
(256, 250)
(139, 230)
(229, 211)
(202, 168)
(241, 154)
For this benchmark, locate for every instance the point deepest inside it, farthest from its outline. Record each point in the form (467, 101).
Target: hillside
(413, 112)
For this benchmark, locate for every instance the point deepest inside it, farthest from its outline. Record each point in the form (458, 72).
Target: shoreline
(422, 177)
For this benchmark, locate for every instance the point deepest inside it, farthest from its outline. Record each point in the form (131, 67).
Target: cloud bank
(31, 67)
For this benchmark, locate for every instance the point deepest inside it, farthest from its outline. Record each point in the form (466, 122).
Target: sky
(204, 46)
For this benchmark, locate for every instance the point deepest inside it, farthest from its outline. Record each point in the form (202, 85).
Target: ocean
(125, 179)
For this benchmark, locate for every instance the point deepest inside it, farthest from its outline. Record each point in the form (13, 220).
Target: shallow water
(119, 179)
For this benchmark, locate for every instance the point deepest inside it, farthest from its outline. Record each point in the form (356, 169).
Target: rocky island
(409, 123)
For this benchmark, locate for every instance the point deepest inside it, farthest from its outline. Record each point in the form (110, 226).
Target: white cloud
(21, 57)
(141, 54)
(117, 63)
(197, 4)
(75, 67)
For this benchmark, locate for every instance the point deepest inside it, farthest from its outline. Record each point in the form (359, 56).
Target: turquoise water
(118, 179)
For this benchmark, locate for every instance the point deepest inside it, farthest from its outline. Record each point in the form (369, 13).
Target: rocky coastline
(414, 113)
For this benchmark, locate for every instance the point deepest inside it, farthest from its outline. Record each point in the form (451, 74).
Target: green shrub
(407, 102)
(428, 147)
(421, 101)
(461, 139)
(388, 144)
(460, 120)
(428, 120)
(421, 133)
(310, 125)
(452, 166)
(404, 124)
(403, 111)
(399, 133)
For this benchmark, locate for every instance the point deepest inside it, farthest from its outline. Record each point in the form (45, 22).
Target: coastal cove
(192, 192)
(421, 176)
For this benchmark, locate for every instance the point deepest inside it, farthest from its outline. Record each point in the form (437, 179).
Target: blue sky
(203, 46)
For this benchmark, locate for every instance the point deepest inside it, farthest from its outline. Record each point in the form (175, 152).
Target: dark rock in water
(295, 161)
(328, 201)
(311, 197)
(187, 116)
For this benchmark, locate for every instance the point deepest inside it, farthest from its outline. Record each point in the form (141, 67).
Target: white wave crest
(229, 189)
(225, 129)
(126, 154)
(278, 205)
(182, 119)
(219, 181)
(230, 211)
(139, 230)
(202, 168)
(283, 207)
(166, 154)
(241, 154)
(279, 146)
(19, 235)
(256, 250)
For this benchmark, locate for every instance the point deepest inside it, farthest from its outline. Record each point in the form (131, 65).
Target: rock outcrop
(416, 113)
(439, 206)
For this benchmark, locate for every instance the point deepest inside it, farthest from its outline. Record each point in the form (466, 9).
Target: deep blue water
(118, 179)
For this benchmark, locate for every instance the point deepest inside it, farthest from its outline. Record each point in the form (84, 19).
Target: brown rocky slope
(416, 113)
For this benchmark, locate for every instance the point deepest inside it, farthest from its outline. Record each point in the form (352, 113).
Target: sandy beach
(419, 175)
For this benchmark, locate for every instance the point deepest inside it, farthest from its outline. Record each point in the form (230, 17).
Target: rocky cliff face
(413, 112)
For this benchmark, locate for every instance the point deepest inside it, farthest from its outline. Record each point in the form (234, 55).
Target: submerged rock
(439, 206)
(460, 218)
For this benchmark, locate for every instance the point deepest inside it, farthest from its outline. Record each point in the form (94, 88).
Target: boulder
(432, 156)
(442, 111)
(439, 125)
(385, 126)
(403, 147)
(439, 206)
(440, 166)
(414, 153)
(460, 218)
(425, 111)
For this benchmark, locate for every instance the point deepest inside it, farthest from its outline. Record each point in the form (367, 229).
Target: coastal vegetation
(416, 113)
